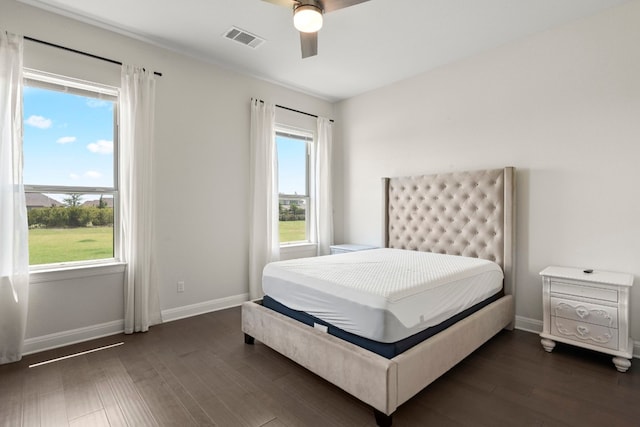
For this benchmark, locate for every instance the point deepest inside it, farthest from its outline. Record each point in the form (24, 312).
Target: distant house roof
(39, 200)
(107, 200)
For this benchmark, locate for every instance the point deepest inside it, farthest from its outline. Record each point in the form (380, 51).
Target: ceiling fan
(307, 18)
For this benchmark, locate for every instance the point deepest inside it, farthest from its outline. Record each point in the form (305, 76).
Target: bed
(462, 213)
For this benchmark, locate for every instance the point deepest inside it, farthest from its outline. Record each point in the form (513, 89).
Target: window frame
(58, 83)
(308, 137)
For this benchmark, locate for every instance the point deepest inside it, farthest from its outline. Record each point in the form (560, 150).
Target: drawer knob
(582, 312)
(582, 330)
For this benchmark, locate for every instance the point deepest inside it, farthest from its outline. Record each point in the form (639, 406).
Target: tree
(102, 204)
(294, 208)
(73, 200)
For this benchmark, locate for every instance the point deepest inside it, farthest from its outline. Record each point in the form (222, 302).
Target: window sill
(297, 249)
(75, 272)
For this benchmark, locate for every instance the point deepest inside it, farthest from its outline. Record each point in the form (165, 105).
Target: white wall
(202, 172)
(563, 107)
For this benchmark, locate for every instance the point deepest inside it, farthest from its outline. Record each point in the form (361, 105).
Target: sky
(68, 139)
(292, 165)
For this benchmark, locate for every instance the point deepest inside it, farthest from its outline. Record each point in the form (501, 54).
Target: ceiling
(361, 48)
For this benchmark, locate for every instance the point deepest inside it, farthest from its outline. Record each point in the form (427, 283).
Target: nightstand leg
(548, 344)
(621, 364)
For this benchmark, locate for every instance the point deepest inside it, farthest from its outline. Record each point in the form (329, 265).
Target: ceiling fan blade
(309, 44)
(331, 5)
(285, 3)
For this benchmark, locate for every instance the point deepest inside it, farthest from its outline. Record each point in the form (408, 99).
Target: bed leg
(382, 419)
(248, 339)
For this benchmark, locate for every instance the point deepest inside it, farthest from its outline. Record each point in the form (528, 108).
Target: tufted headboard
(461, 213)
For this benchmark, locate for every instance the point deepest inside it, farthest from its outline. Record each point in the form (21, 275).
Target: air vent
(244, 37)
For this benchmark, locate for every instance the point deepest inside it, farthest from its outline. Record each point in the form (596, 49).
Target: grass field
(51, 245)
(292, 231)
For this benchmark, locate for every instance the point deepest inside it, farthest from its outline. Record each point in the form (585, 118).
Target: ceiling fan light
(307, 18)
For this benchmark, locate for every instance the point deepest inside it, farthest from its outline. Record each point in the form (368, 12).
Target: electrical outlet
(181, 286)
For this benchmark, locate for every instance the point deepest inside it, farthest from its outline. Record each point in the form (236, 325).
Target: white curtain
(14, 231)
(141, 298)
(323, 195)
(264, 244)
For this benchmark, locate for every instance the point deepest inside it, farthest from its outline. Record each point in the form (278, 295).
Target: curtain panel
(14, 240)
(141, 296)
(264, 243)
(323, 186)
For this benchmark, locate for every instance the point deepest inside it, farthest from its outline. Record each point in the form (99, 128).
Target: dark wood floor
(198, 371)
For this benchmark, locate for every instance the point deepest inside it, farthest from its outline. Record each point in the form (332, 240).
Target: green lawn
(292, 231)
(51, 245)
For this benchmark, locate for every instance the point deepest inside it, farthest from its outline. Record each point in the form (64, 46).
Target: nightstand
(589, 310)
(348, 247)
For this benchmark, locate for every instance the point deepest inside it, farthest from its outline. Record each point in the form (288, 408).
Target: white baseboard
(529, 325)
(60, 339)
(535, 326)
(203, 307)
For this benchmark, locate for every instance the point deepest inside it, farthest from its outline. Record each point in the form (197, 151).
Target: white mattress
(382, 294)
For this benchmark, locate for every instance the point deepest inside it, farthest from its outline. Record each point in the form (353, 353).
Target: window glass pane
(69, 227)
(70, 151)
(292, 165)
(293, 225)
(293, 187)
(68, 139)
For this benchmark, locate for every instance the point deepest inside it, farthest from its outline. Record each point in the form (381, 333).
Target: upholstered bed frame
(462, 213)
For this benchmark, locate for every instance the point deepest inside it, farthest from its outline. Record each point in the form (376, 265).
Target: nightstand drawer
(605, 294)
(585, 332)
(585, 312)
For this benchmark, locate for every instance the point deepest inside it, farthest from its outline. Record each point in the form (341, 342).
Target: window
(293, 184)
(70, 169)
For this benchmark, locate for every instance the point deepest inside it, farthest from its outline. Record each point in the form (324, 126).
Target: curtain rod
(68, 49)
(297, 111)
